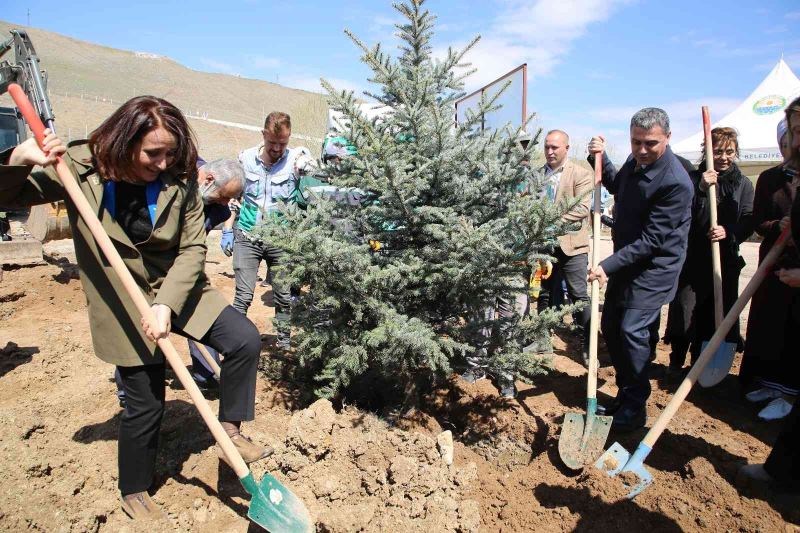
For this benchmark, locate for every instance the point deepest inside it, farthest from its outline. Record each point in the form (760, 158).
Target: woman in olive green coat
(137, 171)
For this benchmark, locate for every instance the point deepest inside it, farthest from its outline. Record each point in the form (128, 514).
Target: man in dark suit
(653, 196)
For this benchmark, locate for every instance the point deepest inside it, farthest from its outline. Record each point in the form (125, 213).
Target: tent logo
(769, 104)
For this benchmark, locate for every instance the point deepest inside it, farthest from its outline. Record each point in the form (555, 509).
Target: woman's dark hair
(114, 142)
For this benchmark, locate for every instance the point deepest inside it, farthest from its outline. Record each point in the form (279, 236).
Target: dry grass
(78, 68)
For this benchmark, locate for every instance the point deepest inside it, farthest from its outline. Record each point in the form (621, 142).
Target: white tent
(756, 119)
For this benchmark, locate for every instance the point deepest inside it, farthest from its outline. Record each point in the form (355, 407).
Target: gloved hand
(547, 270)
(304, 164)
(226, 243)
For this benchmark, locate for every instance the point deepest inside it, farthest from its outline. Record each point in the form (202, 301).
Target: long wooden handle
(133, 290)
(210, 360)
(730, 319)
(716, 264)
(594, 319)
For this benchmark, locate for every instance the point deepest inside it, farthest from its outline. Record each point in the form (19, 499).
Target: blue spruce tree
(398, 283)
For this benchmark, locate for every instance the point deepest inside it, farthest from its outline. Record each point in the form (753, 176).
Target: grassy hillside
(81, 74)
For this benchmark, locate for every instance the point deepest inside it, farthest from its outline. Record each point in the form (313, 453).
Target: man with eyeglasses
(272, 176)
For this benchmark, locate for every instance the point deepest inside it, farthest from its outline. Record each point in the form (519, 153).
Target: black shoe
(629, 419)
(473, 375)
(675, 373)
(610, 409)
(207, 385)
(541, 346)
(585, 357)
(508, 389)
(283, 341)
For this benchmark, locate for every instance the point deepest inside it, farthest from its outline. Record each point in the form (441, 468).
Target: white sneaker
(762, 394)
(776, 409)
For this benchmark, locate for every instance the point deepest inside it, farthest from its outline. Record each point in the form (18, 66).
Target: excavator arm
(26, 71)
(45, 222)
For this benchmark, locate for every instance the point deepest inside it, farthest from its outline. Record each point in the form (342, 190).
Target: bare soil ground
(355, 471)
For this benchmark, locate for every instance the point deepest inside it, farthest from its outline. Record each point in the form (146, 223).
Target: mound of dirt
(608, 489)
(357, 474)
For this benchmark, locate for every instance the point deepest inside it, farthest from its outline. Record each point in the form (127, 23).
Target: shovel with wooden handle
(720, 364)
(617, 460)
(582, 441)
(210, 360)
(273, 506)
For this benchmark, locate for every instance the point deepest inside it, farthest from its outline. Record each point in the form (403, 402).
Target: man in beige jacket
(565, 182)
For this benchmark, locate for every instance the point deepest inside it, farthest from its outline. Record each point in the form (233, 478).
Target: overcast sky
(591, 63)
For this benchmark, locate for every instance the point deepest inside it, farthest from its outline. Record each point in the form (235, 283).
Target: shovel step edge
(636, 466)
(638, 457)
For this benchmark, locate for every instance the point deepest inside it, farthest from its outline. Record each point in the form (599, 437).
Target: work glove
(226, 243)
(547, 269)
(304, 164)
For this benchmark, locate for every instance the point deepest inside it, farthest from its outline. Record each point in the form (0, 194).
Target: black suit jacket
(651, 226)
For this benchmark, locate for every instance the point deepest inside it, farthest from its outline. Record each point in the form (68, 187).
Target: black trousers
(703, 315)
(627, 333)
(783, 462)
(232, 334)
(680, 328)
(572, 270)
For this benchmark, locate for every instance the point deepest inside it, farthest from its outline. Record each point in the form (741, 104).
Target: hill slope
(82, 74)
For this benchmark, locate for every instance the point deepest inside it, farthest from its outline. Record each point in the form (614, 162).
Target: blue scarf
(151, 193)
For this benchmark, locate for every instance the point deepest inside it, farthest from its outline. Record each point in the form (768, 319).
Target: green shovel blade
(582, 440)
(276, 508)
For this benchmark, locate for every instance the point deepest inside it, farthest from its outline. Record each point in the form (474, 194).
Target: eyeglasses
(208, 188)
(730, 152)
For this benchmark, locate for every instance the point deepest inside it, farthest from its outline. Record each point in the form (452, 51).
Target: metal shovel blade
(719, 366)
(616, 461)
(276, 508)
(582, 440)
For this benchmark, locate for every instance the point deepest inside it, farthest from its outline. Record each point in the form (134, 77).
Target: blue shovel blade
(274, 507)
(719, 366)
(617, 461)
(613, 460)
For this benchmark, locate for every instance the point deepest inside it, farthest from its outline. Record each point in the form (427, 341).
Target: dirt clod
(444, 442)
(351, 477)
